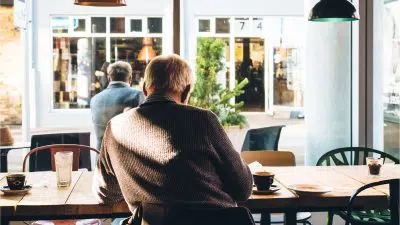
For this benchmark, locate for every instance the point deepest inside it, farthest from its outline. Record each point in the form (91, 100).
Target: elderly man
(116, 98)
(168, 153)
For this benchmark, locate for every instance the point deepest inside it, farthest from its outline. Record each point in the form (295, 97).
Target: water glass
(63, 162)
(374, 165)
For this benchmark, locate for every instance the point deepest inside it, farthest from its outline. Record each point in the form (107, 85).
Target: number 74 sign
(249, 26)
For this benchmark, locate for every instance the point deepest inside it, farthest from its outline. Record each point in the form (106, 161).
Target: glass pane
(204, 26)
(391, 79)
(75, 61)
(59, 24)
(249, 63)
(99, 25)
(222, 25)
(154, 25)
(79, 25)
(117, 25)
(287, 77)
(138, 52)
(136, 25)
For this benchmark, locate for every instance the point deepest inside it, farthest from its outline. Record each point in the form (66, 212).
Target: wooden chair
(76, 149)
(262, 138)
(351, 156)
(38, 161)
(387, 217)
(270, 158)
(275, 158)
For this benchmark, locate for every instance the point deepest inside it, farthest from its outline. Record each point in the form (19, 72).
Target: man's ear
(186, 94)
(130, 81)
(144, 89)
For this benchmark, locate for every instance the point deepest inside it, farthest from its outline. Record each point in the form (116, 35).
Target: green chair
(386, 217)
(356, 156)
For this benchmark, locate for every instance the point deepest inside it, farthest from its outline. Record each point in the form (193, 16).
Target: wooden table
(4, 153)
(46, 201)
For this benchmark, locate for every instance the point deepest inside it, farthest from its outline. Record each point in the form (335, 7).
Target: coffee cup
(263, 180)
(16, 181)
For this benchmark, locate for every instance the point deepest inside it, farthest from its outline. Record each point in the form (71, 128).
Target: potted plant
(208, 93)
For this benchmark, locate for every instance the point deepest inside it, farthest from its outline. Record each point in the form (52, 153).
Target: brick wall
(11, 69)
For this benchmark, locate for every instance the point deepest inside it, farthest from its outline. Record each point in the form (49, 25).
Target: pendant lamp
(147, 53)
(334, 11)
(102, 3)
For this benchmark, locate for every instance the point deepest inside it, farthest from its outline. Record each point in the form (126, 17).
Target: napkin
(255, 166)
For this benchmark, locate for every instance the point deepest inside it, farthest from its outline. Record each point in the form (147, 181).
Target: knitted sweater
(164, 152)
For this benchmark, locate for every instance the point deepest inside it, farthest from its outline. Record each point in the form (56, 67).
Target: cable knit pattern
(163, 152)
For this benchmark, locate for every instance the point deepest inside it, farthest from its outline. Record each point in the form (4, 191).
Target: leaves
(208, 93)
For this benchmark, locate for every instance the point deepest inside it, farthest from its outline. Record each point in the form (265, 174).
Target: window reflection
(117, 25)
(98, 24)
(137, 51)
(154, 25)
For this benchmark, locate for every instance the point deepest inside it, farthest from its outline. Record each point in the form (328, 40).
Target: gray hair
(168, 74)
(120, 71)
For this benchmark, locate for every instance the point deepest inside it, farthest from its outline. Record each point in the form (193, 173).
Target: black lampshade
(333, 11)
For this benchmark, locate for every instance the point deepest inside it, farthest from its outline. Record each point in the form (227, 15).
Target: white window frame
(107, 35)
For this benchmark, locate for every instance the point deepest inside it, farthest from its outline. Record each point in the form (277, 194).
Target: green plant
(208, 93)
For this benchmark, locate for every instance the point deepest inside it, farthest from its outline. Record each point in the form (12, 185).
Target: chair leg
(330, 218)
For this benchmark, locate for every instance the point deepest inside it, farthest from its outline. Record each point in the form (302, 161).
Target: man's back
(111, 102)
(163, 152)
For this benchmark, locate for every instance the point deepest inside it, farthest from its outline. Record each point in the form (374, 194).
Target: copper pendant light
(101, 3)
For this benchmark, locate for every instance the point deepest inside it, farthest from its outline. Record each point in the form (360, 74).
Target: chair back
(269, 158)
(394, 189)
(352, 156)
(262, 138)
(53, 149)
(213, 216)
(39, 161)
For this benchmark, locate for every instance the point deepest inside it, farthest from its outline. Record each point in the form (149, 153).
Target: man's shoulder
(195, 110)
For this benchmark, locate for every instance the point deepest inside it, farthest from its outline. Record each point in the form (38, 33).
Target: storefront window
(154, 25)
(204, 25)
(391, 78)
(117, 25)
(80, 59)
(99, 24)
(249, 63)
(222, 25)
(287, 77)
(268, 51)
(136, 25)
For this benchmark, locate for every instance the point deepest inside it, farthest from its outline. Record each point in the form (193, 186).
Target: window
(99, 24)
(80, 57)
(79, 25)
(204, 25)
(154, 25)
(136, 25)
(117, 25)
(222, 25)
(391, 78)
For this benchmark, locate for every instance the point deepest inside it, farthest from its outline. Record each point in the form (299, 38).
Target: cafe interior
(306, 94)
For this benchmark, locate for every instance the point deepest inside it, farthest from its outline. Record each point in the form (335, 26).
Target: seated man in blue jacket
(115, 99)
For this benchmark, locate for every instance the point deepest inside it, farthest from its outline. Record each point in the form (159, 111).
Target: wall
(45, 116)
(11, 69)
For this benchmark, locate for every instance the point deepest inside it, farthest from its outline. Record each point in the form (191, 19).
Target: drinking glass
(374, 165)
(63, 162)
